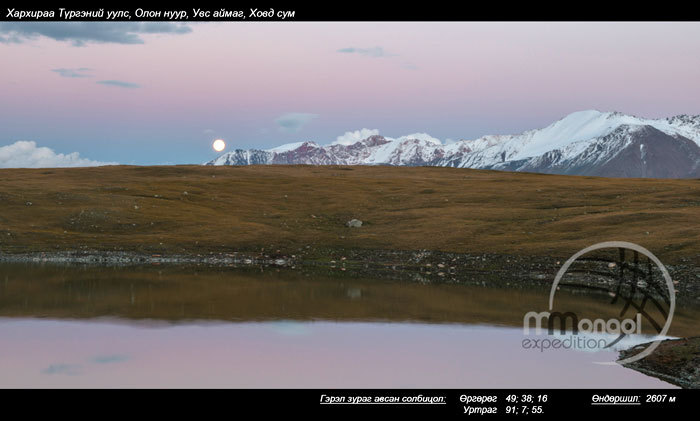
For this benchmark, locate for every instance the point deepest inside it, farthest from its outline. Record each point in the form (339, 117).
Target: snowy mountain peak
(286, 147)
(583, 142)
(684, 119)
(420, 136)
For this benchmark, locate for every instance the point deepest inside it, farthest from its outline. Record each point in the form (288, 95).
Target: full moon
(218, 145)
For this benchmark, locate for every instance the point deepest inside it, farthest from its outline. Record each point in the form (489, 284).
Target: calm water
(188, 327)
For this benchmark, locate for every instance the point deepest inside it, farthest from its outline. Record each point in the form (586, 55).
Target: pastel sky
(159, 93)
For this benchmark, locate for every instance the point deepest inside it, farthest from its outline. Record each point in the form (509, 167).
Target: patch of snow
(286, 147)
(421, 136)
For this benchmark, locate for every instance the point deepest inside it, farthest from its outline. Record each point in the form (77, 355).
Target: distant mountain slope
(597, 143)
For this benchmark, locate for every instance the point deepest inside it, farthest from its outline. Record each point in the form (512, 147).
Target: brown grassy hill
(197, 209)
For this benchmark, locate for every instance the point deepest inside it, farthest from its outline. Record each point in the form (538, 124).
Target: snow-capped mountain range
(609, 144)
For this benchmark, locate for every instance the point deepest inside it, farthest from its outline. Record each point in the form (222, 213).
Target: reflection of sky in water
(49, 353)
(289, 327)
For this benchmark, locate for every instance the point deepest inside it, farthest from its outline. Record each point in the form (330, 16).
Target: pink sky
(453, 80)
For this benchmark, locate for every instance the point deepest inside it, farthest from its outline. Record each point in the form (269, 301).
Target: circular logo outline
(648, 254)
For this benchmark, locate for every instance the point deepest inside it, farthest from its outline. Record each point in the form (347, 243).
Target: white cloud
(350, 138)
(25, 154)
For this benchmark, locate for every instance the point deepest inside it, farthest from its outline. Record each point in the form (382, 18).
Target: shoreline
(674, 361)
(411, 265)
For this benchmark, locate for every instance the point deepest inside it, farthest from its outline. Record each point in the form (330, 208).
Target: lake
(170, 326)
